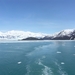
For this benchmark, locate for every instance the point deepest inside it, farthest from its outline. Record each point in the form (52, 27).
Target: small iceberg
(19, 62)
(58, 52)
(62, 63)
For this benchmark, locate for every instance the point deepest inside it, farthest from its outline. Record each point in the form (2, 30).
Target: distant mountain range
(68, 34)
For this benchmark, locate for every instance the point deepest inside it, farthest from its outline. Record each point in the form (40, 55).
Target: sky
(45, 16)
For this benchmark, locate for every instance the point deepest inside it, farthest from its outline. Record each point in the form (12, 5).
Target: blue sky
(46, 16)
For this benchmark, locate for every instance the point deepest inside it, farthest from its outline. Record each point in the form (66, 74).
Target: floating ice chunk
(19, 62)
(62, 63)
(58, 52)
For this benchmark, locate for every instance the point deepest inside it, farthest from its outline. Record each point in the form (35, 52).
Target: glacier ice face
(15, 35)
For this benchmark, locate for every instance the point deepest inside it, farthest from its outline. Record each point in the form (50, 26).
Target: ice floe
(58, 52)
(62, 63)
(19, 62)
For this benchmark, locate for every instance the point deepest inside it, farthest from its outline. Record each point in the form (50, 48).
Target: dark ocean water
(37, 58)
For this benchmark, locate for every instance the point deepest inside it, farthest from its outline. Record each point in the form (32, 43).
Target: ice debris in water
(19, 62)
(46, 70)
(62, 63)
(58, 52)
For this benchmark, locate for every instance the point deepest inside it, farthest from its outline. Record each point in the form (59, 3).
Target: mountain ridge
(68, 34)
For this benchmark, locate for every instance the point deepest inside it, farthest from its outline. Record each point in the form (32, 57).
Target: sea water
(37, 58)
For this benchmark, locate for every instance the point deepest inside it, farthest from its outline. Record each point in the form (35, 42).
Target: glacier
(16, 34)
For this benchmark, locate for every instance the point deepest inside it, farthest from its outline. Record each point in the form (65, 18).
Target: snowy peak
(65, 34)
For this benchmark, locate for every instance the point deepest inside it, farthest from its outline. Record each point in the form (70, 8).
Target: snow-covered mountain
(15, 35)
(68, 34)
